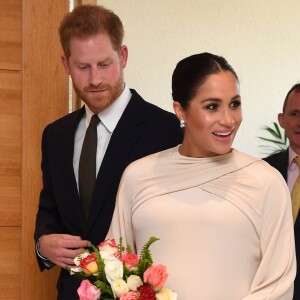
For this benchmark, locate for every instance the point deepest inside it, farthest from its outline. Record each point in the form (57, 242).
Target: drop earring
(182, 124)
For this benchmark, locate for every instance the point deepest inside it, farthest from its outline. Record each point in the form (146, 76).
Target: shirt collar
(111, 115)
(292, 156)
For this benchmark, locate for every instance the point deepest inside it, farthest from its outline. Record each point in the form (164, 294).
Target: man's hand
(61, 249)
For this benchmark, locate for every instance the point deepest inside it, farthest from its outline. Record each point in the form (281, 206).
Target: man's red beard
(101, 102)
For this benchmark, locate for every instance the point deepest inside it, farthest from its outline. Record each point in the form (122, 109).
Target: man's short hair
(295, 88)
(88, 20)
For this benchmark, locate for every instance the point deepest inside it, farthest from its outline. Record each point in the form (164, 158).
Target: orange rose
(130, 260)
(89, 264)
(156, 275)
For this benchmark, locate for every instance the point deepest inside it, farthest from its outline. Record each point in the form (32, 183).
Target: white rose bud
(108, 246)
(119, 286)
(113, 270)
(165, 294)
(133, 282)
(107, 256)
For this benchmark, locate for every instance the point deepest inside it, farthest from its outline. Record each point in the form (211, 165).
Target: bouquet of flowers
(111, 271)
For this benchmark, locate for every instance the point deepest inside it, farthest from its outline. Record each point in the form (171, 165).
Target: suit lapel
(66, 151)
(285, 170)
(297, 224)
(123, 139)
(282, 164)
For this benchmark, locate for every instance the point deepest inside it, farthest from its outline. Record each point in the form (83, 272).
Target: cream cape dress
(224, 224)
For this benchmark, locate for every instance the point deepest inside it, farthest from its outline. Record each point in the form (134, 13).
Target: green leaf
(101, 267)
(277, 129)
(278, 140)
(145, 257)
(273, 141)
(105, 288)
(129, 249)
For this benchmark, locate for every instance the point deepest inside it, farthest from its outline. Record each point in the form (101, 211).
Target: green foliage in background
(277, 140)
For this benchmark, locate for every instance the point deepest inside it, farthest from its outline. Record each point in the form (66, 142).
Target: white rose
(133, 282)
(107, 255)
(113, 270)
(79, 257)
(75, 270)
(165, 294)
(119, 286)
(108, 246)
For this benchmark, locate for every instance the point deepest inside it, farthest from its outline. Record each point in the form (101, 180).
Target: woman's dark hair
(191, 72)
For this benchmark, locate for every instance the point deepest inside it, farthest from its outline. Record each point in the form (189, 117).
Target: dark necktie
(87, 165)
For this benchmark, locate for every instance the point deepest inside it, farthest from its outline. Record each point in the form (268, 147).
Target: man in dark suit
(129, 128)
(285, 163)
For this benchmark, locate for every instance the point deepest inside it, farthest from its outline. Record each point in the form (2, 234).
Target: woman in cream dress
(223, 218)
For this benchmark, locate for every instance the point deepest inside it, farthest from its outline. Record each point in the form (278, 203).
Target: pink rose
(88, 291)
(129, 296)
(130, 260)
(109, 246)
(156, 275)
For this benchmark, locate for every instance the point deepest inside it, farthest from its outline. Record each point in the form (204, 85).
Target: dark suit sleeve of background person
(280, 162)
(142, 130)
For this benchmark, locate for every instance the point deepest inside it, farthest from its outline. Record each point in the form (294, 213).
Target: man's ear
(281, 120)
(65, 63)
(123, 56)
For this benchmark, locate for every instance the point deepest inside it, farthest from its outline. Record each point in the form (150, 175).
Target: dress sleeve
(275, 275)
(121, 225)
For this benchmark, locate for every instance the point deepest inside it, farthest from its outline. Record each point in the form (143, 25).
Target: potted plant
(277, 141)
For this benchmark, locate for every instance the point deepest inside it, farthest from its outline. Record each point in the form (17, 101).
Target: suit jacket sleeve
(47, 220)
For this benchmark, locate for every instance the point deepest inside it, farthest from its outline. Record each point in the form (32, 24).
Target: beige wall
(260, 39)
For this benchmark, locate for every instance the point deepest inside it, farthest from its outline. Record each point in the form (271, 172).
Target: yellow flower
(166, 294)
(119, 286)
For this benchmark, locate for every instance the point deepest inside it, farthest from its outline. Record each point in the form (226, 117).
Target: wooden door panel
(10, 263)
(10, 148)
(10, 34)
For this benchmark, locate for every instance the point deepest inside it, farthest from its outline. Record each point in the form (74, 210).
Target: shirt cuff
(48, 263)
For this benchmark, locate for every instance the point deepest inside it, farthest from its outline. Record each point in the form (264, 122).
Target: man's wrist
(47, 263)
(37, 248)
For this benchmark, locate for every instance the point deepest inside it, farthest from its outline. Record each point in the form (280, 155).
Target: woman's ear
(178, 110)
